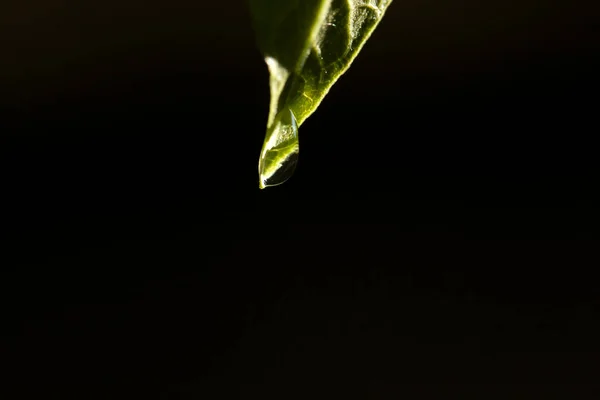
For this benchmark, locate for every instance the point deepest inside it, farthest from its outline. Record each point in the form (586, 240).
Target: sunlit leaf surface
(307, 46)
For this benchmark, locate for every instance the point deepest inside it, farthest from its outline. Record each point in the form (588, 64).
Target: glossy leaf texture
(307, 45)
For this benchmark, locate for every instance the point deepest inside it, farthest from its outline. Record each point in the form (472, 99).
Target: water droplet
(279, 154)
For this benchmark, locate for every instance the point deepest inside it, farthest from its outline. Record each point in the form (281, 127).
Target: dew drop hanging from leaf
(307, 45)
(279, 155)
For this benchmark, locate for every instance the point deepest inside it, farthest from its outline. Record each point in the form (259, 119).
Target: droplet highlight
(279, 155)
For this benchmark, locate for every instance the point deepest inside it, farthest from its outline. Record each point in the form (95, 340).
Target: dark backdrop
(439, 235)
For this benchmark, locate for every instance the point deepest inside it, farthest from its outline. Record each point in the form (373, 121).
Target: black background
(438, 237)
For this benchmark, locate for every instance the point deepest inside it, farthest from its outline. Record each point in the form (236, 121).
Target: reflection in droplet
(279, 154)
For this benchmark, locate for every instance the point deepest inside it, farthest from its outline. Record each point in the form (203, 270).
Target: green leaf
(307, 46)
